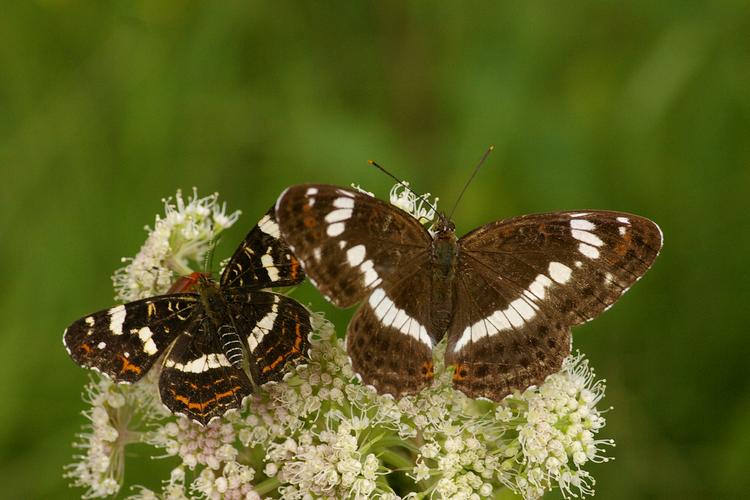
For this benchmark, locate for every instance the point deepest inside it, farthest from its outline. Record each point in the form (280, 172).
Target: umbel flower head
(320, 433)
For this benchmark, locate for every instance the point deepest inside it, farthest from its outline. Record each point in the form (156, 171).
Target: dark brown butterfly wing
(354, 247)
(348, 242)
(523, 282)
(126, 340)
(263, 259)
(197, 379)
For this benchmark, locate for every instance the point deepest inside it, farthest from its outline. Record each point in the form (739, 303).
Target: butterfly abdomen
(443, 271)
(216, 308)
(231, 345)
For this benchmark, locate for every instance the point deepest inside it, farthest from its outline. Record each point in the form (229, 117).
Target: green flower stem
(266, 486)
(395, 459)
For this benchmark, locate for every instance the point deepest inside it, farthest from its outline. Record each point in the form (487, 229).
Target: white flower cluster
(184, 234)
(114, 408)
(418, 206)
(321, 434)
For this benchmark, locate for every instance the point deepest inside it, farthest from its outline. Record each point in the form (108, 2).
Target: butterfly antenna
(208, 259)
(473, 174)
(404, 184)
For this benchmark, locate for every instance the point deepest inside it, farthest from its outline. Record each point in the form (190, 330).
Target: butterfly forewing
(263, 260)
(588, 258)
(525, 281)
(198, 380)
(349, 242)
(125, 341)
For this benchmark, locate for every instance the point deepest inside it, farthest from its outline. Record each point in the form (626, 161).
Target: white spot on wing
(583, 224)
(89, 321)
(311, 191)
(624, 220)
(101, 345)
(335, 229)
(587, 237)
(343, 202)
(539, 286)
(271, 269)
(588, 251)
(622, 230)
(514, 316)
(339, 215)
(252, 342)
(371, 277)
(390, 315)
(355, 255)
(116, 319)
(149, 347)
(262, 328)
(200, 365)
(269, 226)
(523, 308)
(559, 272)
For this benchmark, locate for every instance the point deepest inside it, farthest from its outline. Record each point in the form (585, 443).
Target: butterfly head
(444, 228)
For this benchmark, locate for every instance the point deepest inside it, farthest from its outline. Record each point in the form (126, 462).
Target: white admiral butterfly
(505, 294)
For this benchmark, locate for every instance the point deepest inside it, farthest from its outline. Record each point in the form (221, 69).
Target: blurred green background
(106, 107)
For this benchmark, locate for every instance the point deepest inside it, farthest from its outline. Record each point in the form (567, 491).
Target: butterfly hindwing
(348, 242)
(263, 259)
(390, 338)
(126, 340)
(525, 281)
(499, 339)
(198, 380)
(275, 330)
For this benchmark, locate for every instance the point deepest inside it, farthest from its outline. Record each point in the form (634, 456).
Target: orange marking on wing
(86, 348)
(428, 371)
(309, 222)
(127, 366)
(622, 246)
(295, 268)
(202, 406)
(298, 339)
(460, 372)
(273, 365)
(229, 393)
(295, 349)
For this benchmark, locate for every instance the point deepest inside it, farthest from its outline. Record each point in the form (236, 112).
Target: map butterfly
(506, 294)
(210, 335)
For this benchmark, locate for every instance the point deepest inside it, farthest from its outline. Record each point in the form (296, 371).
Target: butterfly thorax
(444, 254)
(213, 302)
